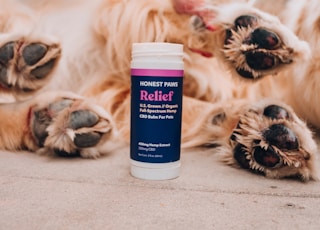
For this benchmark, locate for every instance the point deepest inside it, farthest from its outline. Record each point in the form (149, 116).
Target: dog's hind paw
(72, 127)
(250, 42)
(26, 64)
(257, 44)
(271, 139)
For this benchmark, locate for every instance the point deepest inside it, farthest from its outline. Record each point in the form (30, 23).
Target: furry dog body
(67, 63)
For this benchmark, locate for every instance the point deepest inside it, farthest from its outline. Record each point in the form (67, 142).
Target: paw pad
(6, 53)
(261, 60)
(246, 21)
(281, 136)
(43, 118)
(265, 39)
(82, 118)
(267, 157)
(239, 154)
(86, 140)
(276, 112)
(33, 53)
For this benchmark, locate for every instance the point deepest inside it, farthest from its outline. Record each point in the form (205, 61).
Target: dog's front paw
(72, 127)
(26, 64)
(271, 139)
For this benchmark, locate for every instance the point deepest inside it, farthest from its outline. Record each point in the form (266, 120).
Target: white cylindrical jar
(156, 110)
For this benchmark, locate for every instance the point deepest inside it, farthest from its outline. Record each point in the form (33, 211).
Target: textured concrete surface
(40, 192)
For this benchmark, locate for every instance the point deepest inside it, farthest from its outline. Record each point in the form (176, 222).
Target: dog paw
(271, 139)
(256, 45)
(25, 66)
(71, 127)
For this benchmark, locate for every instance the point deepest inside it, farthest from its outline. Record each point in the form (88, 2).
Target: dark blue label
(156, 110)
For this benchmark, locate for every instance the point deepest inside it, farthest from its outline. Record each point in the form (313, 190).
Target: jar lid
(159, 48)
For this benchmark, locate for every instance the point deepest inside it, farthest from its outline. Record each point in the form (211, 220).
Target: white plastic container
(156, 108)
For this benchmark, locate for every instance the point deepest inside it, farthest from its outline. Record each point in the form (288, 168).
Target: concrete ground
(40, 192)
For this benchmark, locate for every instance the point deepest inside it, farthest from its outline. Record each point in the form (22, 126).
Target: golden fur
(90, 45)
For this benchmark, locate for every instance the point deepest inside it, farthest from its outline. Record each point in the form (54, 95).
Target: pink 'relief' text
(158, 95)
